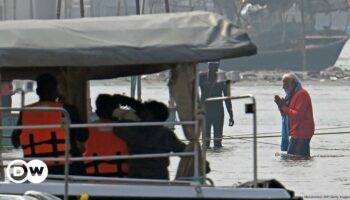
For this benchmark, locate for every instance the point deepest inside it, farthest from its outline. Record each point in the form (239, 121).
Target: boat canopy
(150, 43)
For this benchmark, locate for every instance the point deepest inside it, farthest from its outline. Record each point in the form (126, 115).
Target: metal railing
(66, 124)
(250, 108)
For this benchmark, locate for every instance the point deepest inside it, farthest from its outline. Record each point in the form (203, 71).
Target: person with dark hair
(158, 110)
(103, 142)
(214, 110)
(148, 139)
(50, 142)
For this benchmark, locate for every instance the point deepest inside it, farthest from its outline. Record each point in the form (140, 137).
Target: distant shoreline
(336, 77)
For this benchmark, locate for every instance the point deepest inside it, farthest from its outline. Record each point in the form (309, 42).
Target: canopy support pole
(2, 174)
(73, 83)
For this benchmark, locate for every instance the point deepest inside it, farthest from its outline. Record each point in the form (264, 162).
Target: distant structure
(47, 9)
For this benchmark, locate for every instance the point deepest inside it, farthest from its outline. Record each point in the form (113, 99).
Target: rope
(329, 149)
(198, 179)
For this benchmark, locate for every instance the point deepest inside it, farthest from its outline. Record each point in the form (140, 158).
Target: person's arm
(128, 101)
(15, 137)
(228, 104)
(78, 136)
(174, 143)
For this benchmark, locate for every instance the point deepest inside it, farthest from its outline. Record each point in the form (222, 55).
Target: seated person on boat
(148, 139)
(50, 142)
(103, 142)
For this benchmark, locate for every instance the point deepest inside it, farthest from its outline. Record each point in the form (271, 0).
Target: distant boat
(289, 35)
(321, 52)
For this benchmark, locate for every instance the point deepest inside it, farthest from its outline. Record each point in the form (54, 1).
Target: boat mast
(303, 50)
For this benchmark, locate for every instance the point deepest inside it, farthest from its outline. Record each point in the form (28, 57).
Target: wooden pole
(73, 84)
(137, 7)
(14, 9)
(303, 49)
(58, 10)
(167, 7)
(31, 11)
(5, 9)
(82, 10)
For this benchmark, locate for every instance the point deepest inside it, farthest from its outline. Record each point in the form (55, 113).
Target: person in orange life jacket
(214, 110)
(297, 116)
(103, 142)
(148, 139)
(50, 142)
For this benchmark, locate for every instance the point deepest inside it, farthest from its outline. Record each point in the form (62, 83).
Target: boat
(78, 50)
(293, 35)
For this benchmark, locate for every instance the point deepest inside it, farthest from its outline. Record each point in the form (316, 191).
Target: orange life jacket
(48, 142)
(103, 142)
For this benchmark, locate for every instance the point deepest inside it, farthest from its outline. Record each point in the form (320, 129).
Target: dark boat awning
(121, 46)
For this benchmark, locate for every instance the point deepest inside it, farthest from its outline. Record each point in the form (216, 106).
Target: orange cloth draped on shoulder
(300, 115)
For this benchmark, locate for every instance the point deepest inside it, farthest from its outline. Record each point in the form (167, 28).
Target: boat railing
(250, 108)
(66, 124)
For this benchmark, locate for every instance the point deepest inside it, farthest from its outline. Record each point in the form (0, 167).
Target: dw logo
(35, 171)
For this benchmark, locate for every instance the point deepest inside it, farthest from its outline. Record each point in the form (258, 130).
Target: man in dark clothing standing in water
(214, 110)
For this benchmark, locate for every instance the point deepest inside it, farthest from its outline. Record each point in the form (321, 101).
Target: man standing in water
(297, 117)
(214, 110)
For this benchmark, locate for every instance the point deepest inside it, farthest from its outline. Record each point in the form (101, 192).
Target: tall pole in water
(31, 11)
(5, 9)
(82, 11)
(14, 9)
(303, 48)
(167, 7)
(58, 10)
